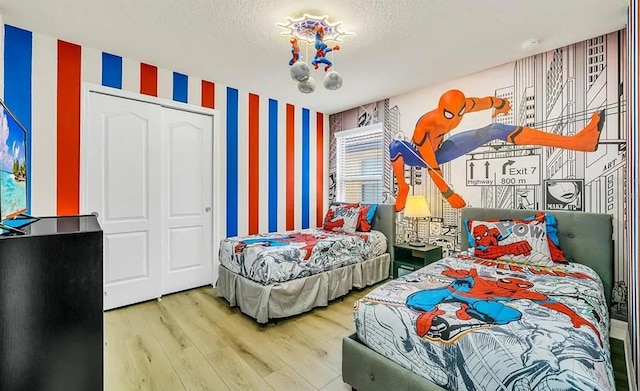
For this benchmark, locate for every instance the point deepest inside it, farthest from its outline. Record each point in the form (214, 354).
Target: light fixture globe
(307, 86)
(332, 80)
(300, 71)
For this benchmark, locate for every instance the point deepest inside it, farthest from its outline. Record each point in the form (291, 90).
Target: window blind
(360, 164)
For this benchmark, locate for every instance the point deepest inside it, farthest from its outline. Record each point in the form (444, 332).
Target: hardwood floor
(194, 341)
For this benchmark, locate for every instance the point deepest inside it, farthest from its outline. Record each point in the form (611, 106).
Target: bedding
(343, 218)
(551, 224)
(349, 217)
(557, 255)
(466, 323)
(518, 240)
(367, 211)
(280, 257)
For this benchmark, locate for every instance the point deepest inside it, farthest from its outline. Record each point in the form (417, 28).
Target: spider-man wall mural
(553, 96)
(429, 149)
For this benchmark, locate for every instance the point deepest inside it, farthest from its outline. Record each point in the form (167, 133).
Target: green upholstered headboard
(584, 237)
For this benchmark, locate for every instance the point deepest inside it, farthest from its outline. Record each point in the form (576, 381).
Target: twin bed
(530, 328)
(279, 275)
(463, 323)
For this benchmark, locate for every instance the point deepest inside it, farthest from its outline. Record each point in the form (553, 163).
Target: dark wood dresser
(51, 328)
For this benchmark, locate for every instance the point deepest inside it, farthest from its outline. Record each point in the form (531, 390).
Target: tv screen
(13, 165)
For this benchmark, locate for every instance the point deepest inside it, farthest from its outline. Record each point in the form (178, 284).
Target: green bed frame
(584, 237)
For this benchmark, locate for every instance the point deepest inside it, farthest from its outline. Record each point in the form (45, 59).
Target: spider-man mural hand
(482, 298)
(487, 245)
(428, 148)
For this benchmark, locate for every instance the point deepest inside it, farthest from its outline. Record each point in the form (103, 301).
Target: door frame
(217, 151)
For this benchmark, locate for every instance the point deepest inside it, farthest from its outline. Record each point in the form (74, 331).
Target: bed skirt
(280, 300)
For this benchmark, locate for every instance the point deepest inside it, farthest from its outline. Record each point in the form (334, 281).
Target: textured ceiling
(399, 46)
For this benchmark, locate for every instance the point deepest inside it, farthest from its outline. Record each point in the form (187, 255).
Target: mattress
(466, 323)
(285, 256)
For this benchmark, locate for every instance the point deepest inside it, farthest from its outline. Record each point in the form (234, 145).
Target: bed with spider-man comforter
(279, 257)
(465, 323)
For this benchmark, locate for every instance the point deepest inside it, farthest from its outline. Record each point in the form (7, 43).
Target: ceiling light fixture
(316, 31)
(304, 27)
(530, 44)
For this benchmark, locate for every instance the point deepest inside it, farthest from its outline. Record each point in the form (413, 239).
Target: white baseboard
(620, 330)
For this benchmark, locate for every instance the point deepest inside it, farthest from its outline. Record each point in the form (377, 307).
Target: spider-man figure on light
(481, 298)
(487, 244)
(295, 50)
(428, 149)
(321, 50)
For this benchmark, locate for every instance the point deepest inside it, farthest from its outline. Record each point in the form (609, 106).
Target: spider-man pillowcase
(365, 219)
(367, 211)
(557, 255)
(519, 240)
(552, 236)
(342, 218)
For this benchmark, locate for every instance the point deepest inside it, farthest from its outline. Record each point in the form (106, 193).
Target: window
(360, 165)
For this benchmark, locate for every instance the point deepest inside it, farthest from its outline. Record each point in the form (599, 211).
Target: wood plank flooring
(194, 341)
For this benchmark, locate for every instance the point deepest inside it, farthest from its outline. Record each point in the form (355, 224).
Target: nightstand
(409, 258)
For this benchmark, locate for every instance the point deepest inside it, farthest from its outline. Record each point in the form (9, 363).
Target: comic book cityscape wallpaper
(526, 141)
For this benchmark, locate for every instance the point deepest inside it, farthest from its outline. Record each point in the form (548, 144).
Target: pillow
(342, 219)
(366, 218)
(557, 255)
(366, 213)
(371, 212)
(363, 223)
(523, 241)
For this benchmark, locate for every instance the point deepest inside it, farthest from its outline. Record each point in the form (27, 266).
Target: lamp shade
(416, 206)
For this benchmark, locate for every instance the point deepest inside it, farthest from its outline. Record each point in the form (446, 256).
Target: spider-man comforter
(465, 323)
(284, 256)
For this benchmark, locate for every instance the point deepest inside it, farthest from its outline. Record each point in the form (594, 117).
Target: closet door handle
(207, 209)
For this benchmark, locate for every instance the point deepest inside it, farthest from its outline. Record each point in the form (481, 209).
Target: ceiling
(399, 46)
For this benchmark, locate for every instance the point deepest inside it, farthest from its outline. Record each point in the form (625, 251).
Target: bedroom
(298, 194)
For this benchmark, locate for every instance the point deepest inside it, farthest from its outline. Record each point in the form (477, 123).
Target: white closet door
(122, 142)
(187, 237)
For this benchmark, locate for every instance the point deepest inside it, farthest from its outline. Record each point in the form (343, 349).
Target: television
(13, 169)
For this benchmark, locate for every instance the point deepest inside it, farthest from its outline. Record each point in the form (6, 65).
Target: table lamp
(416, 207)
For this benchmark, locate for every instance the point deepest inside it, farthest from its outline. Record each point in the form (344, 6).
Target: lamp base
(416, 244)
